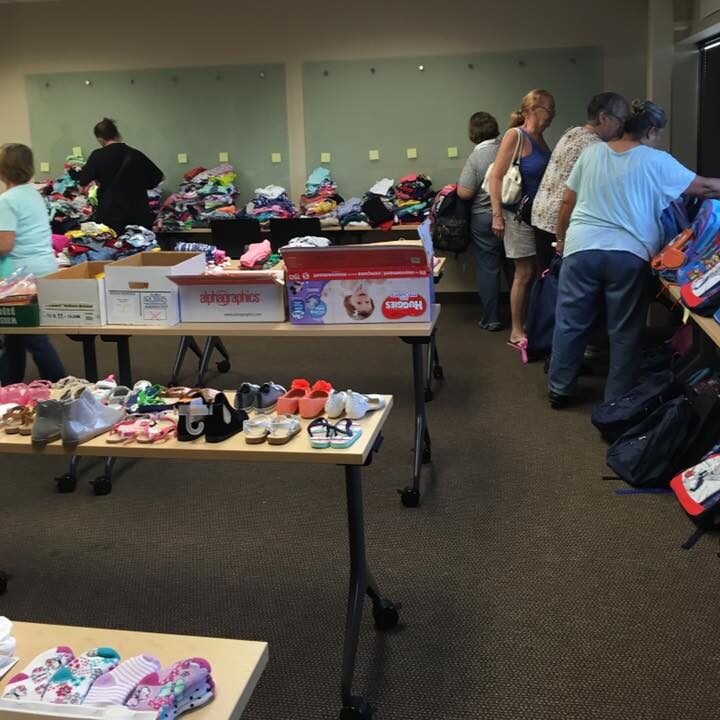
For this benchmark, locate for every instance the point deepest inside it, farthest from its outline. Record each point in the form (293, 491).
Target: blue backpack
(540, 323)
(612, 419)
(644, 456)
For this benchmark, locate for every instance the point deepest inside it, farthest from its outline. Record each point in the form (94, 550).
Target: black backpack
(614, 418)
(450, 221)
(540, 322)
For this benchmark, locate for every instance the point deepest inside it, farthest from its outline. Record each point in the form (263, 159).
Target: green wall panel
(349, 109)
(199, 111)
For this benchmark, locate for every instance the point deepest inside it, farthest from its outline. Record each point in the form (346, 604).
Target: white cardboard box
(73, 296)
(139, 291)
(243, 296)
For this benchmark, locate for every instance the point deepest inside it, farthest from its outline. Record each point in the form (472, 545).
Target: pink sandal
(520, 345)
(154, 432)
(17, 394)
(126, 430)
(40, 390)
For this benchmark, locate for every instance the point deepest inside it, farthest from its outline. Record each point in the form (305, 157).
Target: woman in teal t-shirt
(25, 242)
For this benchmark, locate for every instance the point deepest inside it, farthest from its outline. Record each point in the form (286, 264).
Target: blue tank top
(532, 167)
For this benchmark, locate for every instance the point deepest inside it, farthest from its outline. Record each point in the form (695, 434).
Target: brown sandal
(19, 420)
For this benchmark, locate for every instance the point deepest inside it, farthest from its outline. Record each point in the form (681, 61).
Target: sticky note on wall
(77, 150)
(276, 157)
(44, 167)
(452, 152)
(223, 157)
(374, 154)
(182, 158)
(325, 157)
(411, 153)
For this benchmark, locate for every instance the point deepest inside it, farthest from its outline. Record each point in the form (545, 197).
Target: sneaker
(47, 426)
(269, 395)
(490, 327)
(557, 400)
(246, 398)
(193, 417)
(335, 404)
(358, 405)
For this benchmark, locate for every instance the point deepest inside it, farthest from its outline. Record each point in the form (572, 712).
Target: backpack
(540, 322)
(698, 491)
(614, 418)
(643, 455)
(702, 252)
(450, 221)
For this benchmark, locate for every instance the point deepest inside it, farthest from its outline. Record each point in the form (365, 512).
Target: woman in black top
(124, 175)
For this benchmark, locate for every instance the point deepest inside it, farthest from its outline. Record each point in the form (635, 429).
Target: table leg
(433, 369)
(89, 355)
(361, 582)
(422, 451)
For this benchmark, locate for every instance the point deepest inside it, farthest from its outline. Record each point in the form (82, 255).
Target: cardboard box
(138, 290)
(73, 296)
(243, 296)
(19, 315)
(380, 283)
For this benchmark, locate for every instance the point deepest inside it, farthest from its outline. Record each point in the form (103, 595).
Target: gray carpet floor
(530, 590)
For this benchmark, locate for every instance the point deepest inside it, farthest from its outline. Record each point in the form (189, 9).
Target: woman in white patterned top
(606, 115)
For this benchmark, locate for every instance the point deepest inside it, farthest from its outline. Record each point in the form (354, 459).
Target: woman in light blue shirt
(25, 242)
(608, 230)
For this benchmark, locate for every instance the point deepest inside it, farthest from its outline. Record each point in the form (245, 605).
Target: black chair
(283, 231)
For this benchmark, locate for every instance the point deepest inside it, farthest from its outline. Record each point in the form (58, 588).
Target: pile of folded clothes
(350, 213)
(269, 203)
(67, 205)
(321, 198)
(94, 241)
(413, 198)
(204, 195)
(155, 198)
(379, 204)
(213, 256)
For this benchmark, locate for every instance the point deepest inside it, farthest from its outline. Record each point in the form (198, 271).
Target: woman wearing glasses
(513, 223)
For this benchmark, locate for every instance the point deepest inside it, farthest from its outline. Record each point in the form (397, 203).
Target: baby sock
(159, 691)
(113, 687)
(70, 684)
(193, 697)
(30, 683)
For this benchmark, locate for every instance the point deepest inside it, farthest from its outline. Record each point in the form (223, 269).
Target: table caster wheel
(357, 710)
(223, 366)
(410, 497)
(66, 483)
(426, 456)
(102, 485)
(438, 372)
(385, 614)
(3, 582)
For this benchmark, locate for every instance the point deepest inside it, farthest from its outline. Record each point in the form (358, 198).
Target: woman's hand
(498, 226)
(560, 247)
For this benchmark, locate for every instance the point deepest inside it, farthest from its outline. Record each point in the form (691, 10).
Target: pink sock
(113, 688)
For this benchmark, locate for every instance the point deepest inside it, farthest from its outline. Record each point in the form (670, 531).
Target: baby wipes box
(353, 284)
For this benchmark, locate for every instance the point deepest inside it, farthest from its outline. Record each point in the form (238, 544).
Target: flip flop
(346, 434)
(521, 346)
(320, 432)
(159, 429)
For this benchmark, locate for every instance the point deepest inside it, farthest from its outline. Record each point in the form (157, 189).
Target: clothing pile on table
(413, 198)
(350, 212)
(321, 198)
(270, 203)
(213, 255)
(155, 199)
(379, 204)
(203, 196)
(94, 241)
(67, 205)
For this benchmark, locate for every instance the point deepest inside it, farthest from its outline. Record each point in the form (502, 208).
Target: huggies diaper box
(359, 284)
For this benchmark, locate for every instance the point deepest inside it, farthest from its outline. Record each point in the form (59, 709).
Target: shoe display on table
(19, 420)
(287, 404)
(313, 404)
(85, 417)
(358, 405)
(47, 426)
(224, 421)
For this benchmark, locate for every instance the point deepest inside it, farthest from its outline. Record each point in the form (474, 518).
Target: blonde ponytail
(517, 117)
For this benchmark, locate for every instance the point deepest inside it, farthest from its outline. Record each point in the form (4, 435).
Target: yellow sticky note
(276, 157)
(223, 157)
(686, 315)
(411, 153)
(452, 152)
(44, 167)
(374, 154)
(325, 157)
(77, 150)
(182, 158)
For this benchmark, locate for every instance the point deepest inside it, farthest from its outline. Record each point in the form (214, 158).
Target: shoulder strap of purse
(518, 147)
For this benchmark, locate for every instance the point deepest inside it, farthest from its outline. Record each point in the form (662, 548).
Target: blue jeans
(12, 358)
(585, 279)
(489, 259)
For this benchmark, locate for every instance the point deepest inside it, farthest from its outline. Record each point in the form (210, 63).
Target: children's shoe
(256, 429)
(335, 404)
(193, 417)
(283, 429)
(313, 404)
(85, 417)
(19, 420)
(287, 404)
(47, 426)
(246, 398)
(224, 421)
(269, 395)
(358, 405)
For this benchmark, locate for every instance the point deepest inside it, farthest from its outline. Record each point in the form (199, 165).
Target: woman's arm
(703, 187)
(563, 221)
(465, 193)
(502, 163)
(7, 241)
(88, 173)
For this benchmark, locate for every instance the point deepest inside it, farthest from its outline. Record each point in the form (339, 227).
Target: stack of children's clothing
(321, 198)
(67, 205)
(270, 203)
(413, 198)
(94, 241)
(350, 213)
(379, 204)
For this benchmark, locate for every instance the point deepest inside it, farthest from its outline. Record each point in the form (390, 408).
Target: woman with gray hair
(608, 230)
